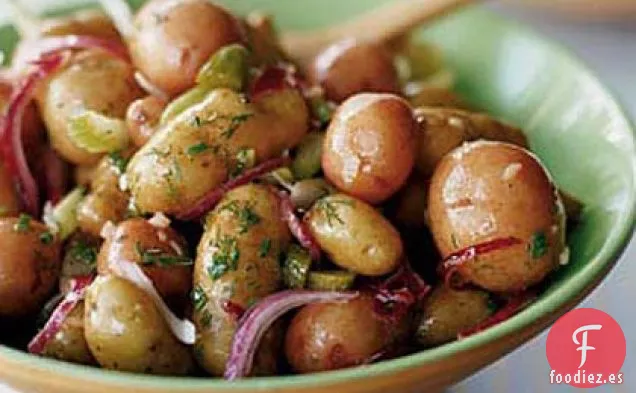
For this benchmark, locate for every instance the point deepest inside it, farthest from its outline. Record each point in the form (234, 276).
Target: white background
(610, 49)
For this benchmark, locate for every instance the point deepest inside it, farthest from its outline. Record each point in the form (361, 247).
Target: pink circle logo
(586, 348)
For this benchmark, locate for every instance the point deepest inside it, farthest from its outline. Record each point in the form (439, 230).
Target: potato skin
(131, 236)
(447, 312)
(165, 177)
(95, 81)
(142, 117)
(86, 22)
(349, 67)
(354, 235)
(29, 268)
(252, 273)
(330, 336)
(369, 146)
(105, 202)
(485, 191)
(125, 331)
(175, 37)
(443, 129)
(69, 343)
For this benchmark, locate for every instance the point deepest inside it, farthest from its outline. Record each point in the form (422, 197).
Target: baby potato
(68, 343)
(175, 37)
(200, 148)
(86, 22)
(106, 201)
(237, 265)
(94, 80)
(80, 258)
(349, 67)
(330, 336)
(162, 252)
(369, 146)
(428, 96)
(354, 235)
(29, 265)
(448, 312)
(142, 118)
(443, 129)
(125, 331)
(487, 191)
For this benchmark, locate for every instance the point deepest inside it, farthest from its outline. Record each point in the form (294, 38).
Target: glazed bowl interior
(572, 122)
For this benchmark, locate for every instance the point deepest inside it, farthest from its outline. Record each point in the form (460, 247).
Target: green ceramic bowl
(573, 124)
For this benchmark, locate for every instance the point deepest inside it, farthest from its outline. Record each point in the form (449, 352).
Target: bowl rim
(590, 274)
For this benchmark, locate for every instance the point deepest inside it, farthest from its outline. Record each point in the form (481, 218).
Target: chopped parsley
(206, 319)
(24, 224)
(245, 158)
(538, 246)
(321, 110)
(118, 162)
(199, 299)
(245, 214)
(46, 238)
(197, 148)
(155, 256)
(265, 246)
(83, 252)
(225, 258)
(328, 209)
(454, 241)
(235, 123)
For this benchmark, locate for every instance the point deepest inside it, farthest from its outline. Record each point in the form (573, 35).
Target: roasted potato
(447, 312)
(95, 81)
(349, 67)
(175, 37)
(125, 330)
(237, 265)
(369, 146)
(330, 336)
(443, 129)
(68, 343)
(29, 265)
(85, 22)
(200, 148)
(106, 201)
(488, 191)
(162, 252)
(80, 258)
(142, 118)
(354, 235)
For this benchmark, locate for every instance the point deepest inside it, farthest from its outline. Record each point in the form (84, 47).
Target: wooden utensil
(380, 24)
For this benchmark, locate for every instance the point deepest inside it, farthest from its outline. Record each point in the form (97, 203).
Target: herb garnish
(245, 214)
(199, 298)
(327, 208)
(46, 238)
(197, 148)
(155, 256)
(538, 246)
(206, 319)
(245, 158)
(225, 258)
(118, 162)
(235, 123)
(265, 246)
(83, 252)
(24, 224)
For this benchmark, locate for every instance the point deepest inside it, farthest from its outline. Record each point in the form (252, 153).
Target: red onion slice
(260, 318)
(274, 78)
(297, 227)
(394, 297)
(11, 135)
(53, 325)
(450, 265)
(183, 329)
(513, 306)
(209, 200)
(48, 45)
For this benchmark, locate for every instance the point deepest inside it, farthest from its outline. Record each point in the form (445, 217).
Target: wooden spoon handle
(379, 24)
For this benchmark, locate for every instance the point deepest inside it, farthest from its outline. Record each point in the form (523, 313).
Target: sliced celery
(97, 133)
(62, 218)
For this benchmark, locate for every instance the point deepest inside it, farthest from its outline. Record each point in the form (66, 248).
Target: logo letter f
(583, 344)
